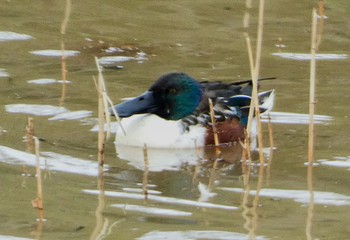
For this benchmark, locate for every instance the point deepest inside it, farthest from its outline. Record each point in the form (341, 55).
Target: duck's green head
(172, 97)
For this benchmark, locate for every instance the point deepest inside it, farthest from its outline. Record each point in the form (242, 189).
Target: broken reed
(254, 69)
(32, 143)
(101, 115)
(39, 200)
(104, 117)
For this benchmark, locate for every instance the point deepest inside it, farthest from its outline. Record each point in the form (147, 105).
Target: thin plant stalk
(312, 88)
(29, 135)
(255, 78)
(255, 68)
(268, 169)
(39, 200)
(101, 89)
(145, 173)
(63, 57)
(101, 124)
(64, 74)
(310, 210)
(102, 116)
(100, 219)
(215, 131)
(217, 145)
(67, 13)
(308, 229)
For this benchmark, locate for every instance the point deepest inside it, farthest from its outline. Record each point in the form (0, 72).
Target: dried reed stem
(217, 145)
(64, 74)
(63, 57)
(101, 123)
(312, 88)
(310, 211)
(255, 68)
(67, 12)
(271, 150)
(321, 8)
(100, 219)
(29, 135)
(215, 132)
(103, 112)
(308, 229)
(38, 203)
(256, 76)
(146, 171)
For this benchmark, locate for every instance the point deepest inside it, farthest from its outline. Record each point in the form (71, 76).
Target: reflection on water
(175, 159)
(205, 40)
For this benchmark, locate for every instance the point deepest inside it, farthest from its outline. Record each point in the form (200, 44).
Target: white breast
(157, 132)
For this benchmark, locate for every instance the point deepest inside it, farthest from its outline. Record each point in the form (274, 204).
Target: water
(205, 40)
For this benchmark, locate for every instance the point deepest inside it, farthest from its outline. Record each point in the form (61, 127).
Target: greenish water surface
(204, 39)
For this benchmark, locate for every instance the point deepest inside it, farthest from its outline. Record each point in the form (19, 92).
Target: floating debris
(301, 196)
(141, 57)
(12, 36)
(152, 210)
(113, 50)
(55, 53)
(112, 61)
(196, 235)
(44, 81)
(35, 109)
(50, 161)
(75, 115)
(307, 56)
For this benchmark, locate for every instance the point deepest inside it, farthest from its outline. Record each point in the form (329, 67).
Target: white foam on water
(152, 210)
(55, 53)
(168, 200)
(35, 109)
(139, 190)
(307, 56)
(196, 235)
(301, 196)
(13, 36)
(44, 81)
(294, 118)
(114, 59)
(340, 162)
(7, 237)
(75, 115)
(50, 161)
(3, 73)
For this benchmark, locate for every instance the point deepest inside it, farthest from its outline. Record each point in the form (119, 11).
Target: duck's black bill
(144, 103)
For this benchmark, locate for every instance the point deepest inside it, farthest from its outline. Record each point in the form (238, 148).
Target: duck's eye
(172, 91)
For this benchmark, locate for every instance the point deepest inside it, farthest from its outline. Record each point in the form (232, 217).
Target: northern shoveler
(174, 113)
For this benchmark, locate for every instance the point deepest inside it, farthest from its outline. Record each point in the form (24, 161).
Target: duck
(174, 113)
